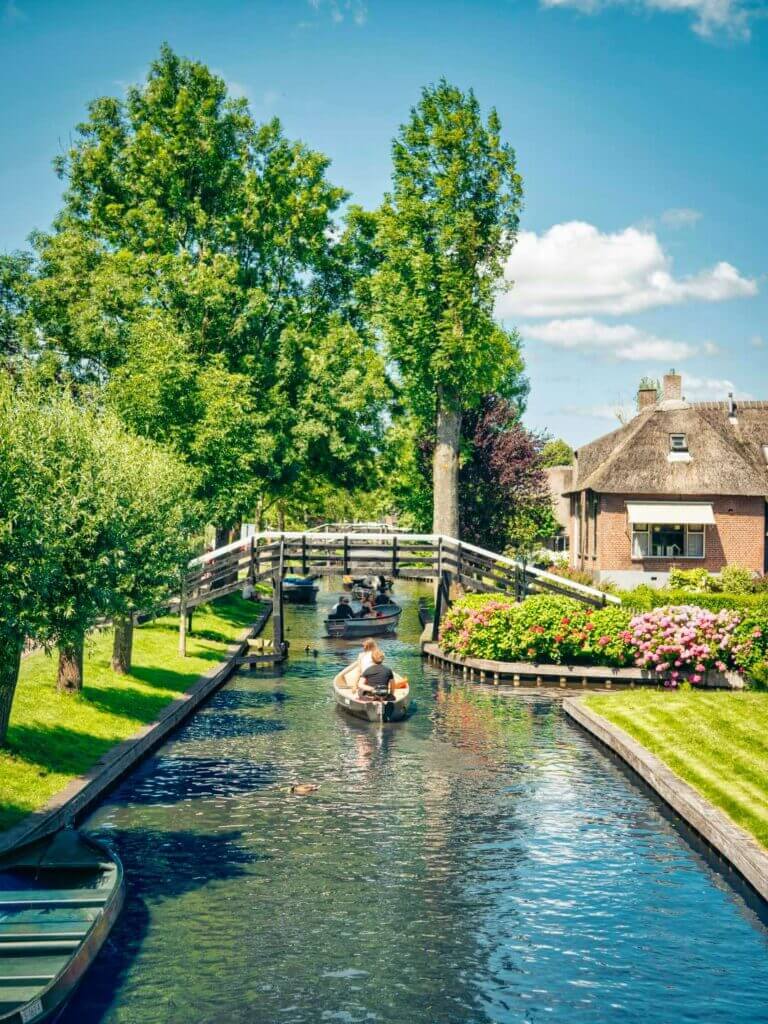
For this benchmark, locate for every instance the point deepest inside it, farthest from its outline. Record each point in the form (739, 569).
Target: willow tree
(444, 233)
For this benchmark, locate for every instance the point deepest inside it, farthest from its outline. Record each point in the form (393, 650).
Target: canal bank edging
(736, 846)
(561, 676)
(83, 792)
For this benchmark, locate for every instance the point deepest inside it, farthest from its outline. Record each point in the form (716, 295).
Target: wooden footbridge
(411, 556)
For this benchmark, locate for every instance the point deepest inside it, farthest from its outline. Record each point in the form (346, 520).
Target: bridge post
(277, 601)
(304, 554)
(252, 566)
(394, 555)
(442, 601)
(346, 554)
(183, 620)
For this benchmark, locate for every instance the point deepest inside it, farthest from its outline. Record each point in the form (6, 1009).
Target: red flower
(558, 638)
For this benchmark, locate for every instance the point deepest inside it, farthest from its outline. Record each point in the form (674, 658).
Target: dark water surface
(481, 862)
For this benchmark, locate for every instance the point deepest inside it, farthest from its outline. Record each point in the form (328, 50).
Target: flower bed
(680, 643)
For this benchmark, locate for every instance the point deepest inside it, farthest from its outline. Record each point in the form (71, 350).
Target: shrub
(750, 647)
(680, 643)
(684, 642)
(737, 580)
(644, 598)
(544, 628)
(688, 579)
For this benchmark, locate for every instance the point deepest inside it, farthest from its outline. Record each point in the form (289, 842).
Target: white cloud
(339, 10)
(621, 341)
(756, 341)
(575, 269)
(707, 389)
(709, 348)
(682, 217)
(709, 17)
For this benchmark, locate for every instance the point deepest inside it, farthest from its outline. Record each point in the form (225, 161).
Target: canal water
(481, 862)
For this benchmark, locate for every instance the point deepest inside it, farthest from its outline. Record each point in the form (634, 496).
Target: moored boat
(300, 589)
(370, 625)
(59, 898)
(372, 709)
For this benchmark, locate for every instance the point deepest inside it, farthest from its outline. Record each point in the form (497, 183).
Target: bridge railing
(409, 556)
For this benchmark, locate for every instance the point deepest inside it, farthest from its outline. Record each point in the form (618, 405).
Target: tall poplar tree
(444, 233)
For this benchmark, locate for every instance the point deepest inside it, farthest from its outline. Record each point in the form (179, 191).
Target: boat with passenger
(390, 708)
(59, 898)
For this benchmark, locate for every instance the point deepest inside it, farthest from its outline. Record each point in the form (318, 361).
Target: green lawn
(717, 742)
(54, 737)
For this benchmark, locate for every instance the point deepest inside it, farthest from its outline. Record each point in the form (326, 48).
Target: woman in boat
(366, 609)
(363, 661)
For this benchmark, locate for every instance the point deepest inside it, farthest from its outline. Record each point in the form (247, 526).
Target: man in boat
(342, 609)
(376, 679)
(366, 608)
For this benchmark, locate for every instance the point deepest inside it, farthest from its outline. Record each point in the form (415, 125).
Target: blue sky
(639, 126)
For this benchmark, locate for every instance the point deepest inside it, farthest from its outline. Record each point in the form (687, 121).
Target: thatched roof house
(682, 483)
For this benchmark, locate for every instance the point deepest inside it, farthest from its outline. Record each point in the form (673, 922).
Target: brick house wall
(603, 537)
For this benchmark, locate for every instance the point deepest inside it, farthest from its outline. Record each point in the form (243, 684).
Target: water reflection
(481, 862)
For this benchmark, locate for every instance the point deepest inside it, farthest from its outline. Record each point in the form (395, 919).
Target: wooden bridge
(431, 557)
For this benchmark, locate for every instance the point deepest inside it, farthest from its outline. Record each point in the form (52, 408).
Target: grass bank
(54, 737)
(717, 742)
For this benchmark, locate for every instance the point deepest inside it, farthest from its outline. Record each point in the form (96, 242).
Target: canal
(481, 862)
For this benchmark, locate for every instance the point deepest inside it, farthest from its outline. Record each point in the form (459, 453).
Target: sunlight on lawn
(54, 737)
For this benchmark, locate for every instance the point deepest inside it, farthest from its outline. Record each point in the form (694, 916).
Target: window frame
(682, 447)
(697, 529)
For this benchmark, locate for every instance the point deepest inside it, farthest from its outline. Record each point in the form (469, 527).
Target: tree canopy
(444, 232)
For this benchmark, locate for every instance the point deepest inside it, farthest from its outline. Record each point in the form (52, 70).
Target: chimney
(673, 386)
(646, 396)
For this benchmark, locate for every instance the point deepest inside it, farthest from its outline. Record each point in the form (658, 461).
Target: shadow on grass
(56, 748)
(159, 866)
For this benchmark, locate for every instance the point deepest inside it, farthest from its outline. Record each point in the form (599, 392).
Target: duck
(311, 650)
(303, 788)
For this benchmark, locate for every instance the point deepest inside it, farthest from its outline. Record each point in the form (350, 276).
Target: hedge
(644, 598)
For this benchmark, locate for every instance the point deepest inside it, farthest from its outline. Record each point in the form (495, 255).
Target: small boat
(372, 710)
(300, 589)
(370, 625)
(59, 898)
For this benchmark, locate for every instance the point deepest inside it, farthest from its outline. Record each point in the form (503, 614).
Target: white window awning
(697, 513)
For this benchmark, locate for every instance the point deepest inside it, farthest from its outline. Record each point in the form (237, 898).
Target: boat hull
(371, 710)
(47, 1004)
(355, 629)
(300, 594)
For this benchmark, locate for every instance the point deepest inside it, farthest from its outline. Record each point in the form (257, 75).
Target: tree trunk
(122, 647)
(10, 659)
(281, 517)
(222, 537)
(70, 676)
(445, 470)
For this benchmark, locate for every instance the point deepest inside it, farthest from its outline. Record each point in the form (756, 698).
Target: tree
(444, 233)
(556, 453)
(116, 513)
(25, 561)
(16, 326)
(200, 247)
(502, 483)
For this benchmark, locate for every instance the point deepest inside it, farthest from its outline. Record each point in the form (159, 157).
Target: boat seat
(29, 970)
(48, 931)
(42, 946)
(48, 915)
(55, 898)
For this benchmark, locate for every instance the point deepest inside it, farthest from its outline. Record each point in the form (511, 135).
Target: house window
(667, 540)
(678, 443)
(765, 453)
